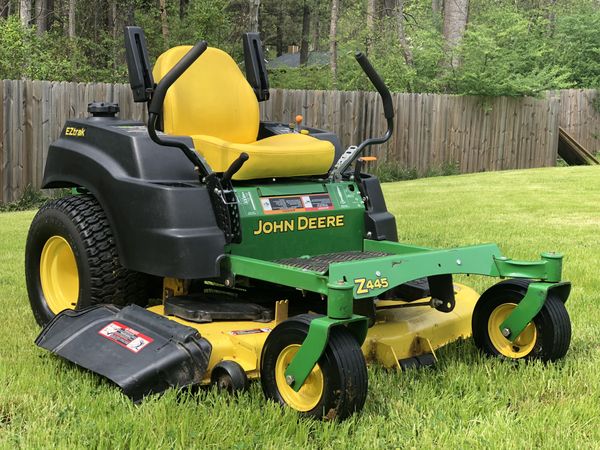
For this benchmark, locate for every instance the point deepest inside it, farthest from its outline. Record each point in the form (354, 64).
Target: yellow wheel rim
(524, 343)
(309, 395)
(58, 275)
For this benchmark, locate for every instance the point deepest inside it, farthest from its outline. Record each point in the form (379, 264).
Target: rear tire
(547, 337)
(71, 260)
(337, 386)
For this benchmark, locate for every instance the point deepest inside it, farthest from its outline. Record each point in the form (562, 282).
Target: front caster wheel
(547, 337)
(337, 385)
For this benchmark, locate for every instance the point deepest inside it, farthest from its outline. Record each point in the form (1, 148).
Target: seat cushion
(282, 155)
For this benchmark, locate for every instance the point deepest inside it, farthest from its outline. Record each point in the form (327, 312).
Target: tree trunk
(5, 5)
(389, 6)
(254, 6)
(335, 6)
(183, 5)
(72, 7)
(316, 33)
(370, 25)
(41, 16)
(279, 29)
(25, 12)
(406, 51)
(436, 6)
(551, 17)
(456, 13)
(130, 12)
(114, 24)
(164, 24)
(114, 19)
(305, 33)
(50, 14)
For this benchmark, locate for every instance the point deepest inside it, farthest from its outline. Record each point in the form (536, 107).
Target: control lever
(353, 152)
(299, 119)
(234, 168)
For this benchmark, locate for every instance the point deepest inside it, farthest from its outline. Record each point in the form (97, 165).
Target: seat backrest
(211, 98)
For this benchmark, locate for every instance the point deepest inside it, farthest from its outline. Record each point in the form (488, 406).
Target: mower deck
(401, 333)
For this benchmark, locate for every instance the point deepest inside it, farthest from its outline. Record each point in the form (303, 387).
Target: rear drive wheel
(337, 385)
(546, 337)
(71, 260)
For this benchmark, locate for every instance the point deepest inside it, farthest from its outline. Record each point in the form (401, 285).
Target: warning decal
(126, 337)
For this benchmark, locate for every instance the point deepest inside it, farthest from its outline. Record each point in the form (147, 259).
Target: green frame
(405, 263)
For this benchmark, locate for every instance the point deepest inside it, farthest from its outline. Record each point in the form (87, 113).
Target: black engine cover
(160, 214)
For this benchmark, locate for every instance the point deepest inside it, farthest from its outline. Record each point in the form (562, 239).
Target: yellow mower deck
(398, 334)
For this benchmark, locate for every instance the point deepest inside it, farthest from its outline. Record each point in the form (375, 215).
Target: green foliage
(25, 55)
(510, 47)
(308, 77)
(31, 199)
(389, 171)
(204, 19)
(579, 52)
(504, 53)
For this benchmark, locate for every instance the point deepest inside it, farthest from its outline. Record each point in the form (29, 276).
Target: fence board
(430, 130)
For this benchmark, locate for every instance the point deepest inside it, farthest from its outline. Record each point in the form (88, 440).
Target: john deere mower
(208, 247)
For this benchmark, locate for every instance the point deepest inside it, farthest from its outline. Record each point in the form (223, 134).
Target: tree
(333, 44)
(41, 16)
(71, 14)
(183, 6)
(456, 13)
(370, 25)
(253, 9)
(305, 33)
(25, 12)
(164, 23)
(406, 51)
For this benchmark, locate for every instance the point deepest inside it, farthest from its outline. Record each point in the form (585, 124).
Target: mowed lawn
(466, 401)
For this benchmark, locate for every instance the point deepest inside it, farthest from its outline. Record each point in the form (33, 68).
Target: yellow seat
(213, 103)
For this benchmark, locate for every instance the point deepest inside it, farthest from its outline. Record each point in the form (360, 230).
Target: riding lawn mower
(207, 247)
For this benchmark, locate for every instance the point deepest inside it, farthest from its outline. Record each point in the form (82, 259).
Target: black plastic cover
(138, 64)
(140, 351)
(378, 221)
(256, 71)
(103, 109)
(203, 308)
(161, 216)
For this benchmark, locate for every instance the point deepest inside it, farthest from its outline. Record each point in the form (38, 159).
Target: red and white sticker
(126, 337)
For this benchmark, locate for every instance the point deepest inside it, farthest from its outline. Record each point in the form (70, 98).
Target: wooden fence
(580, 116)
(476, 134)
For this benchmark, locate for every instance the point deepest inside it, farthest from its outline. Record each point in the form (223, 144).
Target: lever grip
(234, 167)
(182, 65)
(384, 92)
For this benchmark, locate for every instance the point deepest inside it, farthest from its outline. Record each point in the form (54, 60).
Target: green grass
(466, 401)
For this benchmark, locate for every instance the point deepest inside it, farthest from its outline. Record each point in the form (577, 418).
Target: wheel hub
(522, 345)
(59, 276)
(309, 395)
